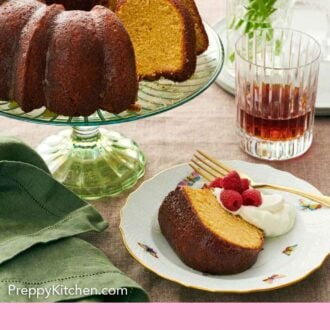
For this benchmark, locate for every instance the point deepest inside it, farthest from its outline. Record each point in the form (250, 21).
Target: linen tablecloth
(169, 139)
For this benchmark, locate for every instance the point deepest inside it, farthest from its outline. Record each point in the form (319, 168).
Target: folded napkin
(39, 258)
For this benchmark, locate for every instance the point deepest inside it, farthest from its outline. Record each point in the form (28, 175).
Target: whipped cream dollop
(274, 216)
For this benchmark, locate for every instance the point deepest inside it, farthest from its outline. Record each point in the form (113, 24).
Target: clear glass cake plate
(95, 162)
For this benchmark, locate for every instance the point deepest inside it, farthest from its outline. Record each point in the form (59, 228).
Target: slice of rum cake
(205, 236)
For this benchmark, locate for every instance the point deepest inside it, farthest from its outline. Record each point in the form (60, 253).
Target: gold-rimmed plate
(284, 261)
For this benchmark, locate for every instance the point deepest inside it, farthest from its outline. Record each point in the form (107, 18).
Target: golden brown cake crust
(196, 245)
(120, 86)
(75, 56)
(31, 63)
(10, 32)
(188, 48)
(102, 74)
(202, 40)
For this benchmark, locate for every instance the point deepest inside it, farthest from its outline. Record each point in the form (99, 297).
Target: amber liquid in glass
(275, 112)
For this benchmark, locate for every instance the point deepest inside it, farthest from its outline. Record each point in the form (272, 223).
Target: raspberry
(232, 181)
(216, 183)
(245, 184)
(231, 200)
(252, 197)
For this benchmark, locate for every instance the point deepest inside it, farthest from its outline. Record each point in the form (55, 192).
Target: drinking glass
(276, 84)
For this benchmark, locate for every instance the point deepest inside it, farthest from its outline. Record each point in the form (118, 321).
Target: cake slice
(205, 236)
(202, 40)
(163, 36)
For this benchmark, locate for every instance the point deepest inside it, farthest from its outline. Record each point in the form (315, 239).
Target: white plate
(317, 25)
(277, 265)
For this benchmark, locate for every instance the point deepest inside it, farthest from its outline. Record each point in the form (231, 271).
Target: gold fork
(210, 168)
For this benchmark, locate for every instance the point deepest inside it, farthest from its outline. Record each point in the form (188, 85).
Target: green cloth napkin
(39, 258)
(68, 264)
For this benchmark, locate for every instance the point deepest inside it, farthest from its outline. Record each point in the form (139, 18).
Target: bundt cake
(77, 60)
(205, 236)
(163, 36)
(73, 62)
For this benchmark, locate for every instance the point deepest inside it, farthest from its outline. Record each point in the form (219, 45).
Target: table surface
(170, 139)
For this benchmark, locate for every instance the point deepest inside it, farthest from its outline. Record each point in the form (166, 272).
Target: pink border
(164, 316)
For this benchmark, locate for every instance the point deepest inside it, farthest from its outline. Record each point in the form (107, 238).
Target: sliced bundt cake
(73, 62)
(205, 236)
(76, 61)
(163, 36)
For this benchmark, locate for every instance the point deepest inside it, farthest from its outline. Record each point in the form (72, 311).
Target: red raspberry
(232, 181)
(231, 200)
(245, 184)
(252, 197)
(216, 183)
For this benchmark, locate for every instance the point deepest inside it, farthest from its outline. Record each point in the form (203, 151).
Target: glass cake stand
(95, 162)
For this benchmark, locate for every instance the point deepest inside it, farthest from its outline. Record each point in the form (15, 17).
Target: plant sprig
(258, 13)
(257, 16)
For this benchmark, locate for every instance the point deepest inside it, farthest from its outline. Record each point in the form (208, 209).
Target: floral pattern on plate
(272, 278)
(309, 206)
(190, 180)
(149, 250)
(289, 249)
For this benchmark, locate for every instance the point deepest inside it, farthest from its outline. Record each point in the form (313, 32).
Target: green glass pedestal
(93, 162)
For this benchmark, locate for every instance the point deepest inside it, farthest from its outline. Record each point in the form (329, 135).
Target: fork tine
(215, 161)
(205, 168)
(216, 169)
(205, 175)
(225, 169)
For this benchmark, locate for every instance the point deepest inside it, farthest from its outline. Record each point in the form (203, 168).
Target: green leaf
(270, 34)
(248, 27)
(231, 57)
(232, 23)
(257, 16)
(239, 24)
(278, 47)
